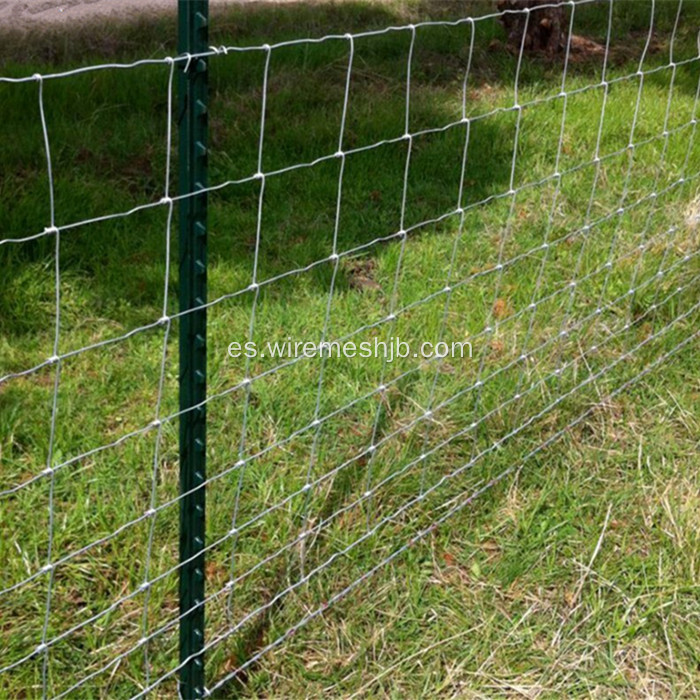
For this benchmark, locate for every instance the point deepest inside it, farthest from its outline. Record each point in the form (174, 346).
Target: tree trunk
(546, 28)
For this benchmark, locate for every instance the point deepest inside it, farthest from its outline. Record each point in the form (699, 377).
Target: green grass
(576, 575)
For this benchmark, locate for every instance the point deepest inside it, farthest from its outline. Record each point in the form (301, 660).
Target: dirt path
(32, 12)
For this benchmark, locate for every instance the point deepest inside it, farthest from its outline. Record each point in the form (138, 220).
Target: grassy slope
(499, 600)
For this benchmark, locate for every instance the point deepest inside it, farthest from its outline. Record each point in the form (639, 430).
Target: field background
(576, 575)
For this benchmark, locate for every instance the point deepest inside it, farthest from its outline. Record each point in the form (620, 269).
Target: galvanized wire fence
(571, 280)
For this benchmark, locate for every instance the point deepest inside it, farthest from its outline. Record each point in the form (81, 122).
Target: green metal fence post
(193, 39)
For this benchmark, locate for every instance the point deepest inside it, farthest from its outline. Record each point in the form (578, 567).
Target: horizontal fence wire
(574, 278)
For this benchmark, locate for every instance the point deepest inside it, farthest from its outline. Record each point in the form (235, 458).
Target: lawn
(558, 465)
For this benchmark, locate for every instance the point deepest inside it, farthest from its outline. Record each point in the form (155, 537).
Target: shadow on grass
(108, 141)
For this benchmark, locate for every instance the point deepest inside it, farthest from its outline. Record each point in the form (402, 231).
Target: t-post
(192, 118)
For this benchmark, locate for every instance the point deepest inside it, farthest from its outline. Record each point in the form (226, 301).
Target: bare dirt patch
(41, 12)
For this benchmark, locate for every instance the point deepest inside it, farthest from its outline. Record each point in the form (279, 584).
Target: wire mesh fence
(412, 184)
